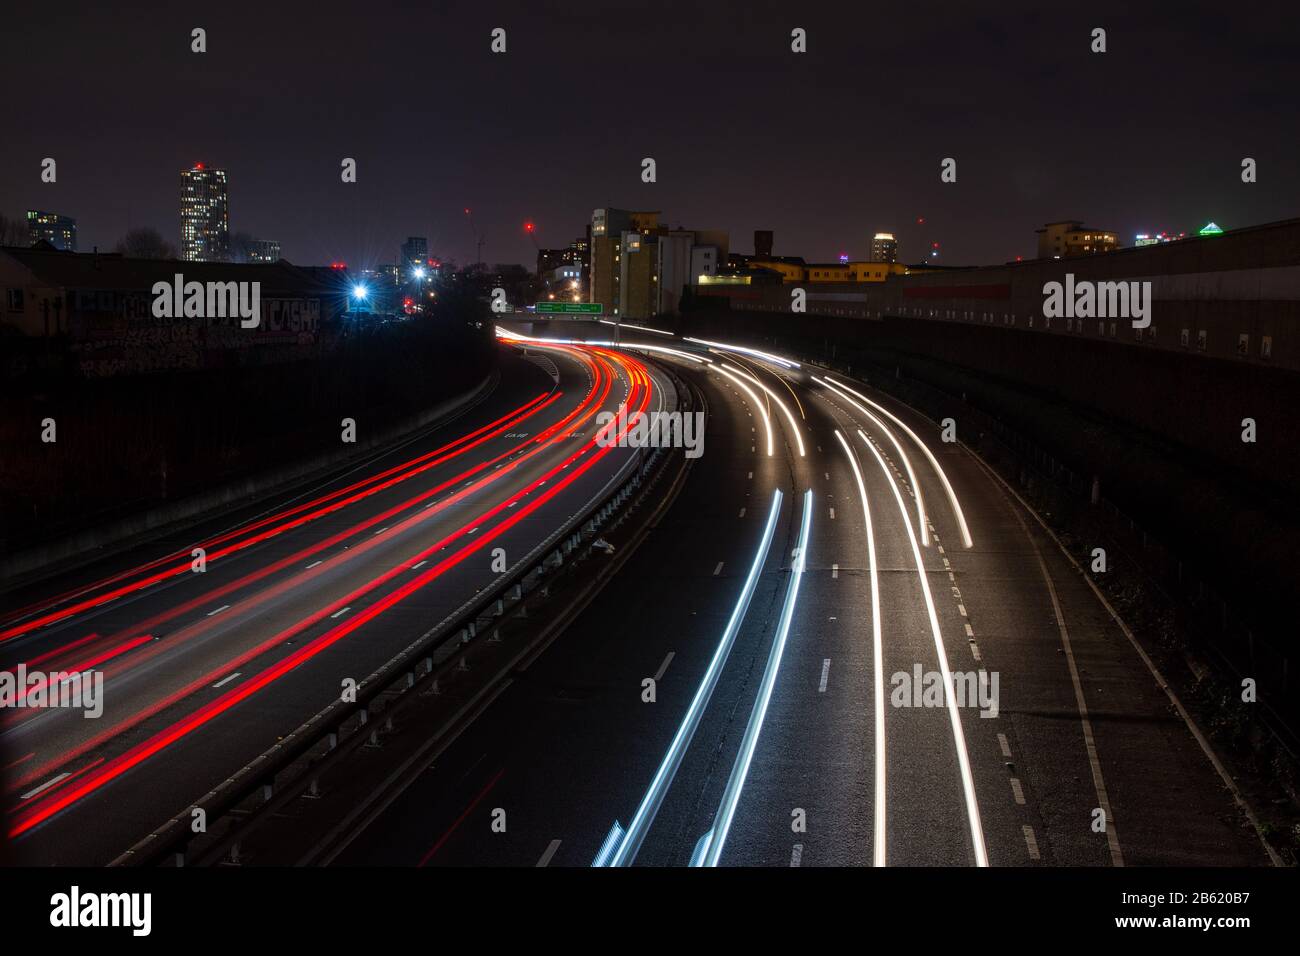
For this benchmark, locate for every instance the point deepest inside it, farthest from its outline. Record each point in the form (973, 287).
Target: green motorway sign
(570, 308)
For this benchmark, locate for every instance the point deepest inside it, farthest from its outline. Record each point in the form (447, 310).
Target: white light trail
(766, 356)
(907, 462)
(954, 718)
(639, 328)
(794, 425)
(880, 832)
(758, 403)
(952, 496)
(630, 841)
(709, 849)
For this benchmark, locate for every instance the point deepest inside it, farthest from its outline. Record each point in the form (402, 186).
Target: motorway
(216, 641)
(805, 743)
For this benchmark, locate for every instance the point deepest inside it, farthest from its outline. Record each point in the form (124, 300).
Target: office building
(261, 250)
(415, 253)
(58, 231)
(205, 215)
(1069, 237)
(884, 247)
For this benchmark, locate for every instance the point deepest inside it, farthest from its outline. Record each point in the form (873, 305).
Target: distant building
(641, 269)
(205, 215)
(58, 231)
(415, 253)
(1069, 237)
(548, 260)
(608, 230)
(104, 306)
(1146, 239)
(794, 269)
(884, 247)
(262, 250)
(762, 243)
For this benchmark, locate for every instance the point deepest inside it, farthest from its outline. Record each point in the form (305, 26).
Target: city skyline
(738, 154)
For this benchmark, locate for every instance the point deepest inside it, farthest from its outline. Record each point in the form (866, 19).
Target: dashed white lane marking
(941, 551)
(342, 612)
(835, 570)
(381, 531)
(718, 569)
(1006, 747)
(970, 632)
(751, 474)
(742, 513)
(796, 854)
(226, 680)
(416, 567)
(1030, 842)
(471, 530)
(826, 673)
(224, 607)
(313, 564)
(664, 666)
(832, 514)
(550, 852)
(1017, 792)
(752, 448)
(45, 786)
(962, 609)
(827, 474)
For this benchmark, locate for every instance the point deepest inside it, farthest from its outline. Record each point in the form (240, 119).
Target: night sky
(823, 148)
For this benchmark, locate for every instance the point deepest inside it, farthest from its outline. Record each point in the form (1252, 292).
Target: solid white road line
(1210, 755)
(954, 717)
(879, 834)
(1081, 704)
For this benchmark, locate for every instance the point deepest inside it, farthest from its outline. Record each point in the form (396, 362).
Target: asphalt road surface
(205, 669)
(1068, 753)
